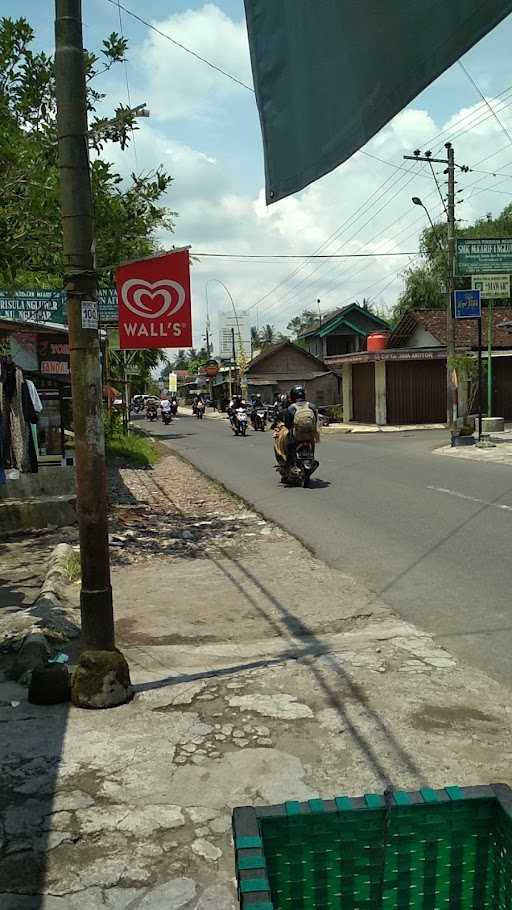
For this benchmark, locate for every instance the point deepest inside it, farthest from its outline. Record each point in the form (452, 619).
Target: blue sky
(205, 131)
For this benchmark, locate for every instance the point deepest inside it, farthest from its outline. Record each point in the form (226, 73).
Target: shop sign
(492, 287)
(154, 302)
(54, 355)
(49, 305)
(475, 257)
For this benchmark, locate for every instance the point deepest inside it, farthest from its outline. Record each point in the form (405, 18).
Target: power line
(127, 86)
(183, 47)
(265, 256)
(484, 99)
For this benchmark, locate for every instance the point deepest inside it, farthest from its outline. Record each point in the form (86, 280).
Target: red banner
(154, 302)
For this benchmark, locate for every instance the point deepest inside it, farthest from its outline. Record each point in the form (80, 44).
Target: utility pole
(80, 283)
(449, 162)
(450, 321)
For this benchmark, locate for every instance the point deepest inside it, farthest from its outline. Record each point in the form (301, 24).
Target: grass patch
(138, 450)
(72, 567)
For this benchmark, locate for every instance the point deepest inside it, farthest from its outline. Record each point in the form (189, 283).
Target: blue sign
(467, 305)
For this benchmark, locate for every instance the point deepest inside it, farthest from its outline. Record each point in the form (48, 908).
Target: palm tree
(268, 336)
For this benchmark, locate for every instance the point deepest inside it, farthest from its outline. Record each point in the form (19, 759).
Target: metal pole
(451, 390)
(81, 283)
(489, 355)
(479, 379)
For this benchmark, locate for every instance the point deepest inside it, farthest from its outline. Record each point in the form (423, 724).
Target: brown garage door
(502, 385)
(416, 391)
(363, 392)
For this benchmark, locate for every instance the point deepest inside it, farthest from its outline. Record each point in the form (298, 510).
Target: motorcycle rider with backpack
(301, 420)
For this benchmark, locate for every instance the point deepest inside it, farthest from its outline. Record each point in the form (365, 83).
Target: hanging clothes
(17, 414)
(38, 407)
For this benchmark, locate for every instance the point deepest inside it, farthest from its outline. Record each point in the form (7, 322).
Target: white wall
(420, 338)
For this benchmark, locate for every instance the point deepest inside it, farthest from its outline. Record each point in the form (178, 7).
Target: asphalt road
(429, 535)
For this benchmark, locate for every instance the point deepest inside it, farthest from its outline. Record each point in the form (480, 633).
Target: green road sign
(475, 257)
(48, 305)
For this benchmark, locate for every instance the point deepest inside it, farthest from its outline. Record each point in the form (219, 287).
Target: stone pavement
(260, 675)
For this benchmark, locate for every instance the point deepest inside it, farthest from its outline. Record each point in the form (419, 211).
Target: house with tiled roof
(405, 381)
(342, 331)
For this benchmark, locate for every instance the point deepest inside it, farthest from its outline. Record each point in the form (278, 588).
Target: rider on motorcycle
(256, 405)
(165, 407)
(308, 417)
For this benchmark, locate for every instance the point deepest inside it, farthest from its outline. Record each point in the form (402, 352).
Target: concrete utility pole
(449, 161)
(99, 658)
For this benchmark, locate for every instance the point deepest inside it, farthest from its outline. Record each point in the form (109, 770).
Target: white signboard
(492, 286)
(173, 382)
(89, 314)
(240, 327)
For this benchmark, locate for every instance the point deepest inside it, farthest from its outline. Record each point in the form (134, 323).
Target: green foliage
(72, 567)
(266, 337)
(137, 450)
(466, 368)
(190, 360)
(126, 216)
(425, 284)
(144, 361)
(300, 324)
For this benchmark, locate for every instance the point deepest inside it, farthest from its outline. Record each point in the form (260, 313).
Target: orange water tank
(377, 341)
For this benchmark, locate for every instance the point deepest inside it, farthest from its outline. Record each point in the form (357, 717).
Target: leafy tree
(144, 361)
(300, 324)
(126, 216)
(425, 284)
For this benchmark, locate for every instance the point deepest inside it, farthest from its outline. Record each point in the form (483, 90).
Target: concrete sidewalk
(261, 675)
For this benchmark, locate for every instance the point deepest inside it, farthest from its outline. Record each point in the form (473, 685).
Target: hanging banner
(173, 382)
(154, 302)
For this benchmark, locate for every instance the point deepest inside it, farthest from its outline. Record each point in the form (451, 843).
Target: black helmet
(298, 393)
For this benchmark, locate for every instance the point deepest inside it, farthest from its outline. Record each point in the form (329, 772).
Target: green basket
(427, 850)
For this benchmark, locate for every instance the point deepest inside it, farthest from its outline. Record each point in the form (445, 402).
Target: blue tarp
(329, 74)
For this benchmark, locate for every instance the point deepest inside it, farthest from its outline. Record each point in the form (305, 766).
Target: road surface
(429, 535)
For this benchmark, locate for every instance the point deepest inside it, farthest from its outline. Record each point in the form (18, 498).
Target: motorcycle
(298, 473)
(166, 417)
(151, 413)
(259, 419)
(200, 410)
(239, 422)
(174, 408)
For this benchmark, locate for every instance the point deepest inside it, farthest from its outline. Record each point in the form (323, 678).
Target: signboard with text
(474, 257)
(467, 305)
(54, 355)
(492, 287)
(49, 305)
(154, 302)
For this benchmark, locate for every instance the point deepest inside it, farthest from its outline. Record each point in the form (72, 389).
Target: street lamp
(241, 357)
(417, 201)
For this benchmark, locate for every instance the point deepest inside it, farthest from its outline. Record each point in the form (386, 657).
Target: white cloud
(367, 203)
(179, 84)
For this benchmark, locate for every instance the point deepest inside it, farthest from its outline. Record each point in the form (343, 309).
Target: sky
(204, 130)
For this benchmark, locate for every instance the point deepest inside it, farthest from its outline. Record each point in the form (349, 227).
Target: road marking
(483, 502)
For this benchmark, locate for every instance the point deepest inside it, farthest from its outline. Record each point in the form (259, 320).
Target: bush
(138, 450)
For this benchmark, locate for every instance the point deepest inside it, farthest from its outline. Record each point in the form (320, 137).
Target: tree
(145, 362)
(126, 216)
(300, 324)
(425, 284)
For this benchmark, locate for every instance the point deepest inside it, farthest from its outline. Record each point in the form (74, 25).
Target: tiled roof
(434, 321)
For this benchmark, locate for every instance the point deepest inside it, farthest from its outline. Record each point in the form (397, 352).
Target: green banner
(48, 305)
(476, 257)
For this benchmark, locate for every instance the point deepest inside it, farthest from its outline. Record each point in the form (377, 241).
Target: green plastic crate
(428, 850)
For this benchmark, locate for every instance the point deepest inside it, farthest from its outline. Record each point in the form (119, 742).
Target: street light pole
(97, 614)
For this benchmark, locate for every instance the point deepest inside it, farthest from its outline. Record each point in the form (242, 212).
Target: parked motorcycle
(239, 422)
